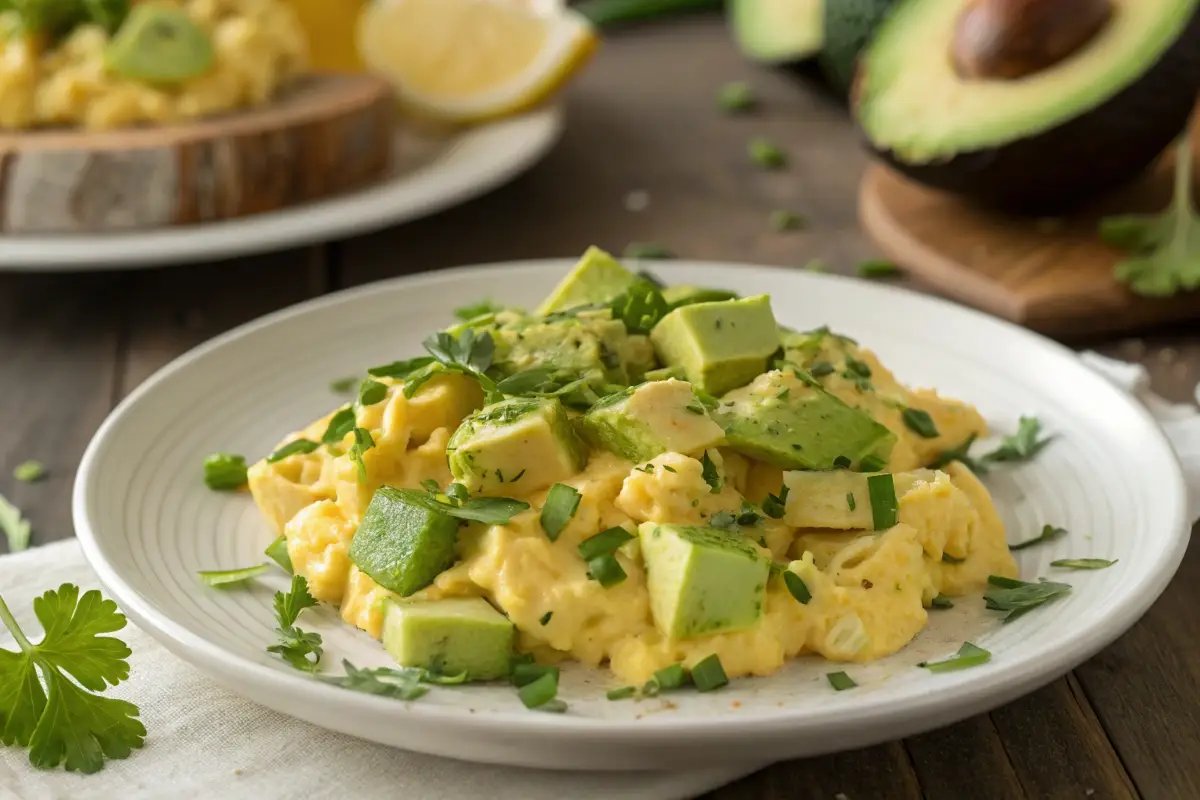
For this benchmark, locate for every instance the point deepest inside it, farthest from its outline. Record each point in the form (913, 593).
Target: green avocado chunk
(590, 344)
(449, 637)
(777, 31)
(647, 420)
(158, 44)
(782, 419)
(402, 547)
(720, 345)
(597, 278)
(516, 446)
(702, 580)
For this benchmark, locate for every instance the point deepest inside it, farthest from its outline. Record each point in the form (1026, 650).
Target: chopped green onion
(949, 559)
(343, 385)
(820, 369)
(884, 508)
(877, 268)
(524, 673)
(850, 500)
(872, 463)
(294, 447)
(539, 692)
(277, 551)
(622, 693)
(941, 601)
(840, 681)
(920, 423)
(603, 543)
(371, 392)
(708, 674)
(782, 220)
(224, 471)
(545, 620)
(765, 154)
(29, 471)
(796, 585)
(1083, 563)
(736, 96)
(561, 504)
(671, 677)
(229, 577)
(1049, 533)
(606, 570)
(969, 655)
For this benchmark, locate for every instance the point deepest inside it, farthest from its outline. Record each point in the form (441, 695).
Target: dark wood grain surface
(1125, 724)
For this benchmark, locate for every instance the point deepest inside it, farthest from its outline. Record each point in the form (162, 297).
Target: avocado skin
(1065, 166)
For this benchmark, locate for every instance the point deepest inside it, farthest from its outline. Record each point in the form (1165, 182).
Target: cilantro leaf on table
(60, 720)
(1164, 248)
(295, 646)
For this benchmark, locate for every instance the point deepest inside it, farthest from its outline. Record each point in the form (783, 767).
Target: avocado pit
(1012, 39)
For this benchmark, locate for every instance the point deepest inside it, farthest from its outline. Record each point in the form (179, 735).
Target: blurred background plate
(430, 174)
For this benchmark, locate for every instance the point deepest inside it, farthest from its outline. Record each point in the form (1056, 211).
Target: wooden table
(1125, 724)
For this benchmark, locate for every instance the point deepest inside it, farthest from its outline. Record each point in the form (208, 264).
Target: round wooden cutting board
(1052, 275)
(326, 135)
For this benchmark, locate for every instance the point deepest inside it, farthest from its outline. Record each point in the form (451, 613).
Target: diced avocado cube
(721, 345)
(783, 420)
(402, 547)
(654, 418)
(515, 447)
(449, 637)
(702, 580)
(837, 499)
(589, 345)
(683, 295)
(597, 278)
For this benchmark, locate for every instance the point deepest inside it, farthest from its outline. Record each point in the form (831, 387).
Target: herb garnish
(57, 718)
(621, 693)
(1083, 563)
(343, 385)
(400, 370)
(340, 424)
(949, 559)
(919, 422)
(796, 585)
(775, 505)
(1049, 533)
(295, 646)
(736, 97)
(665, 680)
(1023, 445)
(603, 543)
(850, 503)
(820, 369)
(606, 570)
(230, 577)
(363, 441)
(961, 453)
(871, 463)
(842, 462)
(277, 551)
(884, 508)
(225, 472)
(561, 504)
(840, 681)
(765, 154)
(545, 620)
(710, 473)
(1018, 597)
(29, 471)
(457, 504)
(708, 674)
(640, 307)
(969, 655)
(941, 601)
(16, 528)
(399, 684)
(646, 251)
(294, 447)
(371, 392)
(877, 268)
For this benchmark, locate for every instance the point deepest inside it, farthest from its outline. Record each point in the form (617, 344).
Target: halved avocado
(960, 97)
(848, 26)
(777, 31)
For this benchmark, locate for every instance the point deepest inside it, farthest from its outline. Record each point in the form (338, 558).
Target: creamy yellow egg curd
(106, 64)
(658, 480)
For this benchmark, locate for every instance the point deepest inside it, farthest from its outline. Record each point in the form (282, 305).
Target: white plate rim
(500, 151)
(889, 717)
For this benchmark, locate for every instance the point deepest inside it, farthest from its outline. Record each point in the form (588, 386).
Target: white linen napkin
(205, 742)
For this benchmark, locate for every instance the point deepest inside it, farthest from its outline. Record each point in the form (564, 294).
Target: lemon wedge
(473, 60)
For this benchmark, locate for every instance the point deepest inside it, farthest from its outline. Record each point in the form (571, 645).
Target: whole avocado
(960, 97)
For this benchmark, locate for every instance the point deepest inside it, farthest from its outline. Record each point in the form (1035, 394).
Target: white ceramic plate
(148, 524)
(430, 175)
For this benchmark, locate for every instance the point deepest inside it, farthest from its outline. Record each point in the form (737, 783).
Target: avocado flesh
(1042, 143)
(777, 31)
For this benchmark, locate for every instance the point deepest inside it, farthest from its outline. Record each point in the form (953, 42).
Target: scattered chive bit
(606, 570)
(941, 601)
(871, 463)
(765, 154)
(277, 551)
(735, 97)
(561, 504)
(343, 385)
(842, 462)
(1018, 597)
(708, 674)
(877, 268)
(798, 588)
(230, 577)
(294, 447)
(1083, 563)
(850, 501)
(17, 529)
(820, 369)
(604, 543)
(541, 692)
(371, 392)
(545, 620)
(882, 490)
(646, 251)
(919, 422)
(816, 265)
(969, 655)
(526, 672)
(622, 693)
(781, 220)
(1023, 445)
(668, 468)
(225, 472)
(1049, 533)
(710, 473)
(840, 681)
(949, 559)
(29, 471)
(669, 678)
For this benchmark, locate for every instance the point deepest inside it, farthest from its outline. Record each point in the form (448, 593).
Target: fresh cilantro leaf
(488, 510)
(748, 517)
(29, 471)
(229, 577)
(363, 441)
(294, 447)
(1018, 597)
(66, 722)
(640, 307)
(371, 392)
(710, 473)
(297, 647)
(340, 424)
(16, 528)
(458, 493)
(1023, 445)
(399, 370)
(288, 605)
(224, 472)
(1164, 248)
(561, 504)
(470, 353)
(774, 506)
(475, 310)
(1049, 533)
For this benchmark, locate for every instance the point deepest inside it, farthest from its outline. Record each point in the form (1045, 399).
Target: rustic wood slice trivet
(1051, 275)
(328, 134)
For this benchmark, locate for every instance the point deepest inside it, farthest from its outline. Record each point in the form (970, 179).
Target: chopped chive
(840, 681)
(561, 504)
(949, 559)
(606, 570)
(604, 543)
(941, 601)
(224, 472)
(518, 477)
(340, 424)
(1083, 563)
(782, 220)
(539, 692)
(277, 551)
(766, 154)
(622, 693)
(708, 674)
(877, 268)
(796, 585)
(294, 447)
(671, 677)
(820, 369)
(545, 620)
(229, 577)
(871, 463)
(668, 468)
(343, 385)
(371, 392)
(920, 423)
(882, 490)
(525, 673)
(646, 251)
(735, 97)
(969, 655)
(1049, 533)
(850, 500)
(841, 462)
(856, 368)
(29, 471)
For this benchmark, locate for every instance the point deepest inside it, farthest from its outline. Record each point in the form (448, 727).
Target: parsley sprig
(297, 647)
(60, 720)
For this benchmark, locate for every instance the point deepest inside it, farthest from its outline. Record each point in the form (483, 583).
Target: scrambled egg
(259, 47)
(870, 590)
